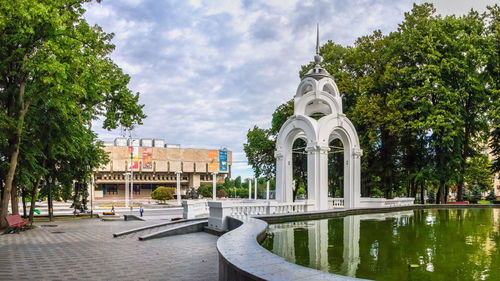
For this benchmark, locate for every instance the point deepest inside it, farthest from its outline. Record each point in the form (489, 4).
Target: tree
(237, 182)
(163, 193)
(259, 151)
(423, 99)
(493, 66)
(478, 172)
(54, 62)
(205, 190)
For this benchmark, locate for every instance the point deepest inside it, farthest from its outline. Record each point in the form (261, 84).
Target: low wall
(242, 258)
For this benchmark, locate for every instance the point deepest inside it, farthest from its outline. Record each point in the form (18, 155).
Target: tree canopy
(55, 79)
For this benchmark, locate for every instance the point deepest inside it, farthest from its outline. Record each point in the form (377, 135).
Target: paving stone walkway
(84, 249)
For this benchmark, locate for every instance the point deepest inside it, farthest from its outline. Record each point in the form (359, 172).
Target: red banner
(147, 158)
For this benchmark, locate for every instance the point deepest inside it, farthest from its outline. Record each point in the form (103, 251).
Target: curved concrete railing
(241, 257)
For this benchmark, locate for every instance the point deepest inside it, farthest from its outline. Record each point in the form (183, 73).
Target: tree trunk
(8, 186)
(14, 199)
(14, 144)
(441, 193)
(23, 197)
(49, 199)
(33, 199)
(422, 198)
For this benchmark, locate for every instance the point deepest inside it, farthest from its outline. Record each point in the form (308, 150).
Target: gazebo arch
(297, 126)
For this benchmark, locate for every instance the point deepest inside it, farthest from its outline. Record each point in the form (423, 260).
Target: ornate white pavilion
(318, 93)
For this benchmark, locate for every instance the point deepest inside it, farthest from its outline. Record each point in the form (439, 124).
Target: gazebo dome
(317, 72)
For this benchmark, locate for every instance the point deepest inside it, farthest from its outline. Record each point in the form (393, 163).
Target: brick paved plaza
(84, 249)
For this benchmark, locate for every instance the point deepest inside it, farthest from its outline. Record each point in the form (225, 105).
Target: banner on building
(147, 158)
(133, 156)
(213, 161)
(222, 160)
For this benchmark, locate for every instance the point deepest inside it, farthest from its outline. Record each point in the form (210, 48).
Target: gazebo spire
(317, 72)
(317, 39)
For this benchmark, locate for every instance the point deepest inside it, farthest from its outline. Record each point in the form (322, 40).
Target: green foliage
(205, 190)
(431, 197)
(163, 193)
(221, 193)
(475, 194)
(423, 99)
(228, 183)
(56, 77)
(242, 192)
(491, 196)
(377, 193)
(237, 182)
(478, 172)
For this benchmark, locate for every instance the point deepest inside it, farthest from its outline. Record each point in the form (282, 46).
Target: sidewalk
(85, 249)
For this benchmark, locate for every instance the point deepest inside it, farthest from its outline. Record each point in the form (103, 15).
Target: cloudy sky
(208, 71)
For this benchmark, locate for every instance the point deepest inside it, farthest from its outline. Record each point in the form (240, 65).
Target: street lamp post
(132, 176)
(250, 188)
(214, 186)
(126, 188)
(267, 190)
(178, 178)
(256, 188)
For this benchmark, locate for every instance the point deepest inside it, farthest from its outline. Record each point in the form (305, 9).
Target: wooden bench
(458, 203)
(16, 223)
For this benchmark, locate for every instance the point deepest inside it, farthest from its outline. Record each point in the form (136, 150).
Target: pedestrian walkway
(84, 249)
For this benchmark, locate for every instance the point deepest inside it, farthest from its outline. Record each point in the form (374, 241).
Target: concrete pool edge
(241, 257)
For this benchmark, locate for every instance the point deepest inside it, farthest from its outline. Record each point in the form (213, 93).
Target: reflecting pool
(429, 244)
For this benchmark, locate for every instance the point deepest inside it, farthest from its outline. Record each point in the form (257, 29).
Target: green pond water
(432, 244)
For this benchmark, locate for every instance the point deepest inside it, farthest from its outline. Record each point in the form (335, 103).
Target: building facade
(149, 163)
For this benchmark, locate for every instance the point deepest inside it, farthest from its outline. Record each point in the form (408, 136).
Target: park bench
(458, 203)
(16, 223)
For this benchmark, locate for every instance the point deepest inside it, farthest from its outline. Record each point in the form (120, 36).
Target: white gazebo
(318, 93)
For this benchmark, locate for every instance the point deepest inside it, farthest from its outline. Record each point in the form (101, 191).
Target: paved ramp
(156, 230)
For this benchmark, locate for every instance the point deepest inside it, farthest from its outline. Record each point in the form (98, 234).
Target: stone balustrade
(335, 203)
(220, 210)
(382, 202)
(194, 208)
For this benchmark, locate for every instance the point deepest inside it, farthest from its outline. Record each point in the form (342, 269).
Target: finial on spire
(317, 39)
(317, 57)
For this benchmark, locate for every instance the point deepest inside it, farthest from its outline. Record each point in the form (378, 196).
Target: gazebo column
(284, 176)
(352, 184)
(317, 176)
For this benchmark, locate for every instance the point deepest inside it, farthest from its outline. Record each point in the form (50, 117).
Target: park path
(84, 249)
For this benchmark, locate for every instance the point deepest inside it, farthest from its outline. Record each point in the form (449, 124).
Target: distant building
(154, 163)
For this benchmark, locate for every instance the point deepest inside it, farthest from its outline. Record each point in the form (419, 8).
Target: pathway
(84, 249)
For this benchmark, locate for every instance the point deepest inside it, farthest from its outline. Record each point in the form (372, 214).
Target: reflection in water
(434, 244)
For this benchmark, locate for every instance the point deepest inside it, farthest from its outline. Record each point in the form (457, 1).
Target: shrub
(242, 192)
(205, 190)
(431, 198)
(377, 193)
(476, 194)
(221, 193)
(163, 193)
